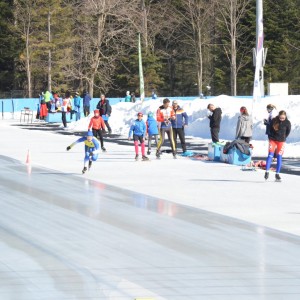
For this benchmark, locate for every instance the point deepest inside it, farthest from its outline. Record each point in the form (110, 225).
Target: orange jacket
(96, 123)
(164, 115)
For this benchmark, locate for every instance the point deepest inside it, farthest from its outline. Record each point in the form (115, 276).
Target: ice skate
(90, 164)
(145, 158)
(277, 177)
(84, 170)
(266, 175)
(103, 149)
(136, 157)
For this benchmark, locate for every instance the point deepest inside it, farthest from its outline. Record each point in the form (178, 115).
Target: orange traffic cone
(28, 160)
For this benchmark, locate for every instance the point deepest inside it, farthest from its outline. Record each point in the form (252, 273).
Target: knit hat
(150, 114)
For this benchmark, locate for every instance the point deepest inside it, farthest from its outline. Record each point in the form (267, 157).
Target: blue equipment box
(214, 151)
(236, 157)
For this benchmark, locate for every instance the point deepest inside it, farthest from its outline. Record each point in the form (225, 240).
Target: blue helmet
(89, 133)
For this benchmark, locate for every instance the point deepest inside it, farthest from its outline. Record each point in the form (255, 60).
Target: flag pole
(141, 75)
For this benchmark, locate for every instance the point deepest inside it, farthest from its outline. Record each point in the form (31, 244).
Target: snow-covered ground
(124, 113)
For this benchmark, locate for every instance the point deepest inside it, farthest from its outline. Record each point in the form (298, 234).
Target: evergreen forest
(189, 47)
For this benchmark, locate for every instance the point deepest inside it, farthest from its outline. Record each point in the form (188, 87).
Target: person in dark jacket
(215, 121)
(178, 125)
(280, 129)
(86, 103)
(105, 111)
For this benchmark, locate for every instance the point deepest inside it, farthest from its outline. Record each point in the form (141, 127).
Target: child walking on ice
(138, 128)
(91, 149)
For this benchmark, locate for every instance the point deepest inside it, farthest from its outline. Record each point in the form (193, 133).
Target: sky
(123, 115)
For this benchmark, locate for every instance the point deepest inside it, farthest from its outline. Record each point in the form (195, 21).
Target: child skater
(91, 149)
(152, 130)
(138, 128)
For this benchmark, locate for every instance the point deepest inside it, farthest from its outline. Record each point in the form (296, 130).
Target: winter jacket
(181, 118)
(215, 118)
(86, 99)
(165, 115)
(283, 131)
(104, 107)
(151, 125)
(128, 98)
(96, 123)
(65, 104)
(93, 144)
(238, 144)
(244, 127)
(268, 120)
(77, 101)
(138, 128)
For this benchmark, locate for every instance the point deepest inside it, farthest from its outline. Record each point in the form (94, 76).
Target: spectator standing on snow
(178, 124)
(132, 97)
(65, 108)
(97, 126)
(86, 103)
(272, 113)
(77, 106)
(152, 131)
(105, 111)
(280, 129)
(91, 149)
(164, 115)
(215, 121)
(244, 127)
(138, 129)
(127, 97)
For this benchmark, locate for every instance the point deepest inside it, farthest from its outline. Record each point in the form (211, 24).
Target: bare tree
(232, 11)
(105, 28)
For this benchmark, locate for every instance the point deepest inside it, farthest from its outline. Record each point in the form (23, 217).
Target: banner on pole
(141, 74)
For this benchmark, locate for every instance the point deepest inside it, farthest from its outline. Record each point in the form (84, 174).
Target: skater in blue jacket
(91, 149)
(152, 131)
(138, 128)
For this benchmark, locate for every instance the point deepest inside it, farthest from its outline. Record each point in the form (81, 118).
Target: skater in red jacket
(98, 126)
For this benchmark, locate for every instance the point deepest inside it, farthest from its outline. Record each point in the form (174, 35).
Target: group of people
(278, 128)
(171, 120)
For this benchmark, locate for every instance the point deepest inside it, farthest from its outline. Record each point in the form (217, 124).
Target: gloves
(90, 153)
(68, 148)
(266, 122)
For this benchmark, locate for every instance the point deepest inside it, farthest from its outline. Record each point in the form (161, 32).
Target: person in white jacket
(244, 127)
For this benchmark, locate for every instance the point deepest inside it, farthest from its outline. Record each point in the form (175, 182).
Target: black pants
(108, 127)
(169, 132)
(86, 110)
(179, 132)
(64, 118)
(215, 134)
(98, 134)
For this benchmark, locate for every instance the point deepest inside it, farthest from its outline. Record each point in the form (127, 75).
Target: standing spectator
(178, 124)
(86, 103)
(165, 114)
(132, 99)
(280, 129)
(138, 128)
(97, 125)
(153, 95)
(43, 108)
(105, 110)
(66, 104)
(272, 113)
(244, 127)
(91, 149)
(152, 131)
(48, 97)
(127, 97)
(77, 106)
(215, 121)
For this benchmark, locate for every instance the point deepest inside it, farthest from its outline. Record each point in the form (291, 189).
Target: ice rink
(168, 229)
